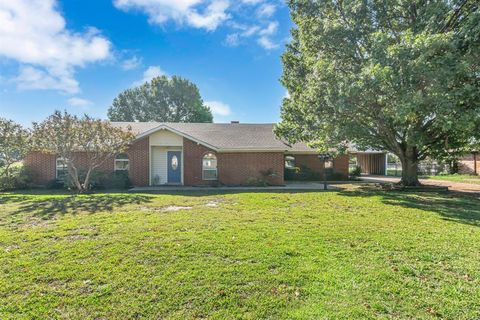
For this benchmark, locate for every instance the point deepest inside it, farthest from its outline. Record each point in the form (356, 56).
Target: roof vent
(235, 122)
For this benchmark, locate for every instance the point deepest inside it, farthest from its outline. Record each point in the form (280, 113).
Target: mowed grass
(462, 178)
(333, 255)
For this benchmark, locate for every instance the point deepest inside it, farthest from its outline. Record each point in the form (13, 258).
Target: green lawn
(343, 255)
(463, 178)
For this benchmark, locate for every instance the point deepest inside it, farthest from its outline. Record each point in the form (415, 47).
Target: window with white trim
(289, 162)
(61, 169)
(209, 167)
(122, 163)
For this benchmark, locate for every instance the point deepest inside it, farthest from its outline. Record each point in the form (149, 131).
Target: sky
(78, 55)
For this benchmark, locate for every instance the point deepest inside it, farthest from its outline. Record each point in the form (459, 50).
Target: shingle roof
(222, 136)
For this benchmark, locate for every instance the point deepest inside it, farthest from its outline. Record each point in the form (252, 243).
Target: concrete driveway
(453, 186)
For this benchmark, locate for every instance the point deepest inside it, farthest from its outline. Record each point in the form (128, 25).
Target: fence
(425, 168)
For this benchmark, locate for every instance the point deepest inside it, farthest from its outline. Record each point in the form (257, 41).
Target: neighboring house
(196, 154)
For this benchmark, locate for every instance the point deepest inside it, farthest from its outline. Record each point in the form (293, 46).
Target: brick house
(195, 154)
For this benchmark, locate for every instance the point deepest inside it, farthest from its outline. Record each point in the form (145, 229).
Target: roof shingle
(223, 136)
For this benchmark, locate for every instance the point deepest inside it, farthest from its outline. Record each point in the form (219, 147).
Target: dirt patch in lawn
(167, 209)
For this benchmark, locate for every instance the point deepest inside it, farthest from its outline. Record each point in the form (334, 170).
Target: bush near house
(303, 173)
(19, 178)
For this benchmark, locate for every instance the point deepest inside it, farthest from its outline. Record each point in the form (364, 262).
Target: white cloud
(33, 33)
(149, 74)
(265, 36)
(219, 108)
(248, 18)
(206, 14)
(266, 10)
(270, 29)
(79, 102)
(267, 43)
(252, 2)
(131, 63)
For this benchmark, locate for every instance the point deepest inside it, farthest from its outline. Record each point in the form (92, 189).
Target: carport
(371, 162)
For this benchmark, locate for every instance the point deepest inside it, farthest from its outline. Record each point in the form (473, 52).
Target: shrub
(101, 180)
(336, 176)
(255, 182)
(55, 184)
(306, 174)
(355, 172)
(291, 173)
(19, 178)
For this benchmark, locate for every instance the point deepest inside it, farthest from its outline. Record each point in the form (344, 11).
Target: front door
(174, 166)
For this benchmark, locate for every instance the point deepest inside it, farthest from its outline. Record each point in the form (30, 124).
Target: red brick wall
(236, 168)
(340, 164)
(43, 165)
(233, 168)
(311, 161)
(192, 167)
(140, 162)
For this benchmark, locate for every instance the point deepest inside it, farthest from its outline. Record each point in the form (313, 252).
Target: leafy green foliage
(355, 172)
(401, 76)
(13, 146)
(101, 180)
(83, 143)
(162, 99)
(18, 178)
(322, 255)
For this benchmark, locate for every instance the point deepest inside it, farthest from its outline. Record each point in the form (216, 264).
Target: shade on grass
(346, 254)
(462, 178)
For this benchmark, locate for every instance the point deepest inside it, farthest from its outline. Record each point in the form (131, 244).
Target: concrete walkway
(289, 186)
(452, 186)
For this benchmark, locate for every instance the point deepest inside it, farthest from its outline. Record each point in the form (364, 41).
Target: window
(209, 167)
(174, 163)
(61, 169)
(121, 162)
(328, 164)
(289, 162)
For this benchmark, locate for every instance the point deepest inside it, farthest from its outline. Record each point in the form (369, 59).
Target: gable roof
(221, 136)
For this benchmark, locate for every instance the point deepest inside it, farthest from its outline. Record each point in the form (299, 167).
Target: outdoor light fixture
(324, 157)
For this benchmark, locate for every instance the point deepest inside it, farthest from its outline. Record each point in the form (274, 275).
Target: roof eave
(166, 127)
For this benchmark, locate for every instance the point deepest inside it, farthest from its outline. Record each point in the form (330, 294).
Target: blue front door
(174, 164)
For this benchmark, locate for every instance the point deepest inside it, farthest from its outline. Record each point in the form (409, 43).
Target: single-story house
(195, 154)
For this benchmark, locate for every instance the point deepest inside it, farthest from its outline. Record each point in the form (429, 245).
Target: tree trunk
(409, 168)
(86, 182)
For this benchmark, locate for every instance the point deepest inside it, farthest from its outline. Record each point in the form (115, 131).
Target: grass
(462, 178)
(344, 255)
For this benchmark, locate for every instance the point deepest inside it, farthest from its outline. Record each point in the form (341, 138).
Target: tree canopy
(13, 144)
(395, 75)
(83, 143)
(162, 99)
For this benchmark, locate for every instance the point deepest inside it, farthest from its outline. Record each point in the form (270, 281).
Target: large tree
(13, 145)
(162, 99)
(83, 143)
(395, 75)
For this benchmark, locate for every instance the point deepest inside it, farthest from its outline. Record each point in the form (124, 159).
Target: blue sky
(79, 54)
